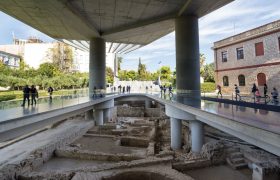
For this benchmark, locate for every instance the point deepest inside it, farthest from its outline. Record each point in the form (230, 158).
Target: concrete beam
(105, 105)
(174, 112)
(261, 138)
(137, 25)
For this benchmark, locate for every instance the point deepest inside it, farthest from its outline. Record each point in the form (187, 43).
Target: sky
(234, 18)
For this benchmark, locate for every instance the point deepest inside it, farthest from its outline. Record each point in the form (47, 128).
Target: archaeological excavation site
(133, 143)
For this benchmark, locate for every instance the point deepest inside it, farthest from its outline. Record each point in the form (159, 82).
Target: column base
(176, 133)
(197, 135)
(98, 116)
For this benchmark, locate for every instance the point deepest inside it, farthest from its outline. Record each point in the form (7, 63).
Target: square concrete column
(97, 65)
(176, 133)
(98, 117)
(187, 60)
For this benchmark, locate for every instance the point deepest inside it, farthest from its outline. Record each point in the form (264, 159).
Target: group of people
(123, 89)
(98, 92)
(27, 92)
(257, 94)
(255, 91)
(32, 91)
(164, 88)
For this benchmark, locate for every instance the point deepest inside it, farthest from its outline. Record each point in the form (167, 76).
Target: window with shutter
(259, 49)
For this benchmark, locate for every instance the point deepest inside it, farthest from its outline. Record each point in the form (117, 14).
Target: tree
(48, 69)
(142, 71)
(165, 73)
(131, 75)
(109, 75)
(174, 78)
(61, 56)
(202, 62)
(209, 73)
(119, 61)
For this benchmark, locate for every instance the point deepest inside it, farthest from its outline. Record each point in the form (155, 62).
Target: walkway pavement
(263, 119)
(17, 112)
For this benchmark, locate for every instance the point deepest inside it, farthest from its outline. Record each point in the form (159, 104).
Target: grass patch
(7, 97)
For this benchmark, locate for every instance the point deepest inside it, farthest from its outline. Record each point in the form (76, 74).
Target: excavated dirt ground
(107, 145)
(222, 172)
(62, 164)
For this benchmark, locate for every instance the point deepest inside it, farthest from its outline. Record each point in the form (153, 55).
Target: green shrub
(7, 97)
(208, 87)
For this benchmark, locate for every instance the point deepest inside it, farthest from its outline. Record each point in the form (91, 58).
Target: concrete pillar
(197, 135)
(148, 104)
(187, 60)
(107, 115)
(176, 132)
(98, 116)
(89, 115)
(97, 64)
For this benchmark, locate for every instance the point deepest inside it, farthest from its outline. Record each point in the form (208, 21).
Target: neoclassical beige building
(249, 57)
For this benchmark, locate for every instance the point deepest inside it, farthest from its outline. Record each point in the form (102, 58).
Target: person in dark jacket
(26, 95)
(265, 90)
(50, 91)
(34, 94)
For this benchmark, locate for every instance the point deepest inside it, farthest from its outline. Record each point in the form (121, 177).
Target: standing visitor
(94, 92)
(264, 90)
(123, 89)
(147, 89)
(50, 91)
(164, 91)
(237, 92)
(26, 94)
(219, 91)
(101, 91)
(34, 94)
(258, 95)
(170, 91)
(120, 88)
(254, 89)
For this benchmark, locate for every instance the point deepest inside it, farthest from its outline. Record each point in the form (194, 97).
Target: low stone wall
(92, 155)
(100, 171)
(134, 142)
(152, 112)
(128, 111)
(123, 111)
